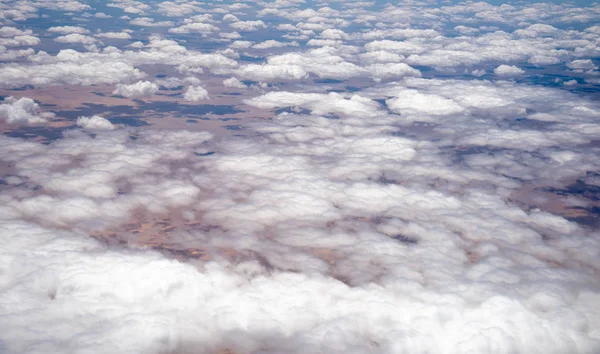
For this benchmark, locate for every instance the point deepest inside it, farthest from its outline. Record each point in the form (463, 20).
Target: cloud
(508, 70)
(67, 67)
(582, 64)
(22, 111)
(195, 93)
(138, 89)
(172, 9)
(382, 192)
(273, 44)
(395, 70)
(101, 15)
(20, 41)
(95, 123)
(149, 22)
(194, 27)
(75, 38)
(318, 103)
(68, 29)
(248, 25)
(114, 35)
(233, 82)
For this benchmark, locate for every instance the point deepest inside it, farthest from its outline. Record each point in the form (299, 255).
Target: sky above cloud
(299, 176)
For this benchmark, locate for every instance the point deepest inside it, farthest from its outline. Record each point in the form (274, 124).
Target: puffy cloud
(149, 22)
(248, 25)
(508, 70)
(173, 9)
(413, 101)
(114, 35)
(75, 38)
(274, 44)
(138, 89)
(73, 73)
(233, 82)
(9, 31)
(19, 41)
(318, 103)
(334, 34)
(101, 15)
(431, 214)
(582, 64)
(466, 30)
(194, 27)
(22, 111)
(95, 123)
(394, 70)
(195, 93)
(68, 29)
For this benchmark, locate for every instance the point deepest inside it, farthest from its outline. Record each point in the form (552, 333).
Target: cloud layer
(299, 178)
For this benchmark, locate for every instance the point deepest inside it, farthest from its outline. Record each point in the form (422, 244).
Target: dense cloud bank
(426, 180)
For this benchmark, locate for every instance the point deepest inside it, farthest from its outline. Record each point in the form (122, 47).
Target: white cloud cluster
(508, 70)
(75, 38)
(95, 123)
(138, 89)
(385, 188)
(247, 26)
(195, 93)
(68, 29)
(114, 35)
(22, 111)
(233, 82)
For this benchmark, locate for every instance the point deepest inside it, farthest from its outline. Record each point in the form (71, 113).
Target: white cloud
(68, 70)
(149, 22)
(412, 101)
(75, 38)
(407, 215)
(22, 111)
(508, 70)
(138, 89)
(19, 41)
(195, 93)
(334, 34)
(248, 25)
(194, 27)
(95, 123)
(582, 64)
(393, 70)
(101, 15)
(233, 82)
(173, 9)
(270, 43)
(114, 35)
(9, 31)
(68, 29)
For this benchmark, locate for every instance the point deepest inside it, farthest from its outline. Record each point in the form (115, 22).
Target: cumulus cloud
(508, 70)
(385, 191)
(68, 29)
(95, 123)
(248, 25)
(75, 38)
(149, 22)
(22, 111)
(195, 93)
(19, 41)
(68, 69)
(173, 9)
(114, 35)
(274, 44)
(233, 82)
(582, 64)
(138, 89)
